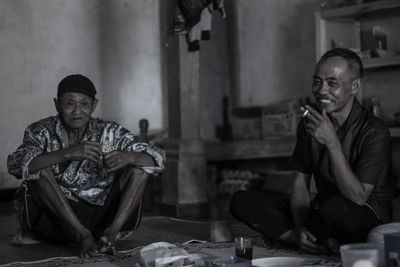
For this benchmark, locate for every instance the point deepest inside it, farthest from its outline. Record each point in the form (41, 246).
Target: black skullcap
(76, 83)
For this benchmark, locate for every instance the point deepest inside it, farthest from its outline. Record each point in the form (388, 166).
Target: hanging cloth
(194, 18)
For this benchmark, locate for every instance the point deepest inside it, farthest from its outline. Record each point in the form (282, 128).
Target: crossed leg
(130, 183)
(50, 194)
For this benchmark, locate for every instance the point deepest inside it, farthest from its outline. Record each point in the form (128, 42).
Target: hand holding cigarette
(305, 111)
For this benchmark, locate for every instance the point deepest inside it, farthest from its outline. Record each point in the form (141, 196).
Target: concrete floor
(152, 229)
(11, 253)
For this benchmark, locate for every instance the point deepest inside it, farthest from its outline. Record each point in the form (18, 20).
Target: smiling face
(334, 86)
(75, 109)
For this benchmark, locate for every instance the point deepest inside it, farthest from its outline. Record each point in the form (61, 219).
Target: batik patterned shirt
(81, 179)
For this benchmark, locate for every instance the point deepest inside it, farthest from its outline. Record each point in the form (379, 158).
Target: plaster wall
(42, 41)
(275, 50)
(131, 63)
(115, 43)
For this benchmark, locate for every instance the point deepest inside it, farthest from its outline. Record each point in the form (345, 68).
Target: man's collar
(62, 133)
(353, 116)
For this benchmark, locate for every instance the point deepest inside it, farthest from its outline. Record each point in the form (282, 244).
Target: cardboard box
(279, 124)
(246, 129)
(246, 123)
(281, 118)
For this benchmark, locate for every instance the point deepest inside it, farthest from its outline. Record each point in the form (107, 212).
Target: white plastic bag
(162, 254)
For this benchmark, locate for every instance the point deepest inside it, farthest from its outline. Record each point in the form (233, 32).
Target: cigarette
(305, 113)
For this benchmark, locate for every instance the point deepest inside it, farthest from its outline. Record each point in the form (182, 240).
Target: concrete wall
(115, 43)
(41, 42)
(275, 50)
(131, 63)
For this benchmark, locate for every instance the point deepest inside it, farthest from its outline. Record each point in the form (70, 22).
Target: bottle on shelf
(376, 106)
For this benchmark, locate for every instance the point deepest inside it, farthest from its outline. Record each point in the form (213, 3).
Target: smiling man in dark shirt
(348, 152)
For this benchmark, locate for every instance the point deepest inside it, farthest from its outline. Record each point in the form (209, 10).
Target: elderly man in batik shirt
(83, 177)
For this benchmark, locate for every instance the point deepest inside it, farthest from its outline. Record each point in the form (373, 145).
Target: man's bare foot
(332, 246)
(107, 242)
(289, 237)
(88, 246)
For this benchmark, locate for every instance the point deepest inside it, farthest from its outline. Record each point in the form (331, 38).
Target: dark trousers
(35, 216)
(337, 217)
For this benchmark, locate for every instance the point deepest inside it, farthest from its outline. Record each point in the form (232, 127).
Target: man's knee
(339, 212)
(34, 186)
(130, 175)
(347, 221)
(329, 209)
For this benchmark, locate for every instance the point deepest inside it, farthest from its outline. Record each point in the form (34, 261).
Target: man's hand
(116, 160)
(307, 242)
(87, 150)
(321, 128)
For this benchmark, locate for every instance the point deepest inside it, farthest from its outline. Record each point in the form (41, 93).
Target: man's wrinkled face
(75, 109)
(333, 85)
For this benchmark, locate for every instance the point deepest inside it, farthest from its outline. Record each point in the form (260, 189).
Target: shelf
(250, 149)
(258, 149)
(394, 132)
(355, 10)
(381, 62)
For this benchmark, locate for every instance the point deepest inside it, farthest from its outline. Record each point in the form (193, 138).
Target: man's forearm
(300, 207)
(45, 160)
(348, 183)
(300, 200)
(140, 159)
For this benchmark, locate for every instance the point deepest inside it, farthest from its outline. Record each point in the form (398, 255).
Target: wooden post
(184, 182)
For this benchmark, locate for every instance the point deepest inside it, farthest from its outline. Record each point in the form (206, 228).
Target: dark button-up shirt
(82, 179)
(366, 145)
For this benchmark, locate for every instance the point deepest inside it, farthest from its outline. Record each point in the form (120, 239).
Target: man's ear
(356, 86)
(57, 104)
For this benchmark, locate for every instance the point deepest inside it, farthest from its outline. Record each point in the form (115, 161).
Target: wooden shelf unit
(250, 149)
(276, 147)
(344, 27)
(377, 62)
(394, 132)
(360, 9)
